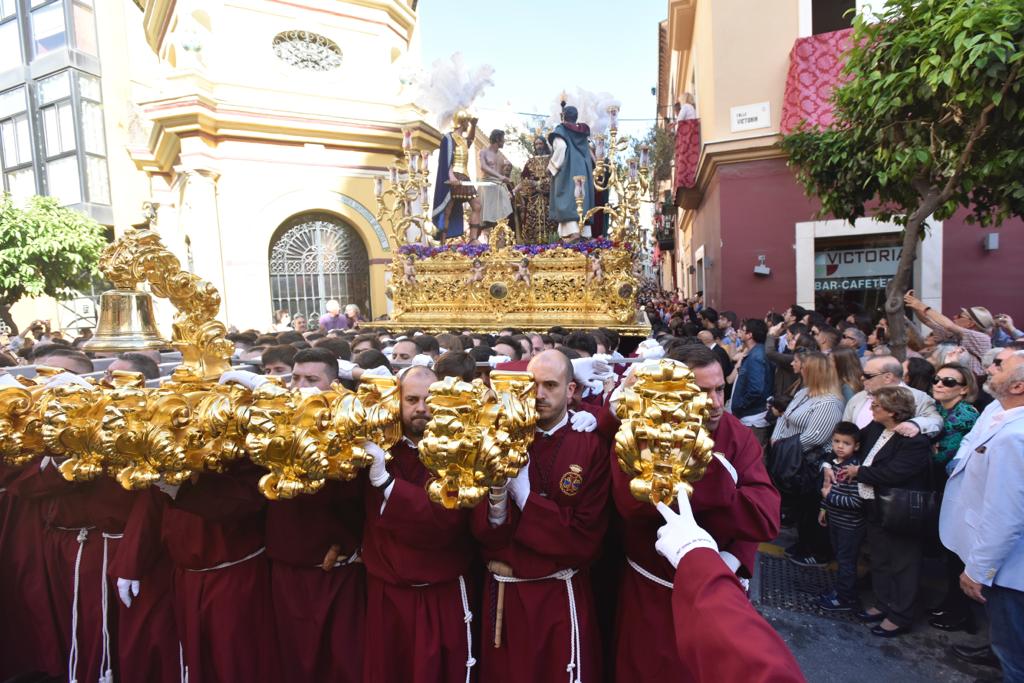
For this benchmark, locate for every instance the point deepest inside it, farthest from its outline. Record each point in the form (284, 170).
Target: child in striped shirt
(842, 512)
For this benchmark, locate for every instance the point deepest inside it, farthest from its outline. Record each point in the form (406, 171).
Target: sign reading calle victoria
(855, 269)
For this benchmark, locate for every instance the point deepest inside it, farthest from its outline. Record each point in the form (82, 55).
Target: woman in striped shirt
(813, 413)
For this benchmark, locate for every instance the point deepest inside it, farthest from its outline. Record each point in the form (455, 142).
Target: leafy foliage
(662, 149)
(930, 119)
(46, 249)
(933, 109)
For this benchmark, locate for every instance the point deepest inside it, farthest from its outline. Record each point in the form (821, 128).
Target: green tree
(45, 250)
(662, 144)
(930, 120)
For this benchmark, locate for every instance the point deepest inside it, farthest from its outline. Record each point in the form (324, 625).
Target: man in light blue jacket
(982, 518)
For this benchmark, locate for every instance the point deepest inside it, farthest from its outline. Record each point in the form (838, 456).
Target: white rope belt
(575, 666)
(467, 616)
(649, 576)
(230, 563)
(106, 658)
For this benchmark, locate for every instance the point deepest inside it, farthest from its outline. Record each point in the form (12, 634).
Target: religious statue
(596, 273)
(523, 272)
(570, 157)
(454, 188)
(409, 270)
(495, 189)
(477, 274)
(532, 195)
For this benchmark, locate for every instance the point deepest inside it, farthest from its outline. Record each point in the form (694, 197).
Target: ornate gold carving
(663, 441)
(372, 413)
(139, 256)
(477, 437)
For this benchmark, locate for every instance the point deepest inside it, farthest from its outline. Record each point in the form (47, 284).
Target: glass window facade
(52, 137)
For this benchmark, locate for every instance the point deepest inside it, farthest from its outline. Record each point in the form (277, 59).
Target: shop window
(10, 44)
(63, 181)
(16, 145)
(84, 20)
(49, 32)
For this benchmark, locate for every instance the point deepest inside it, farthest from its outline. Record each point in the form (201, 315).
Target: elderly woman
(813, 413)
(890, 461)
(954, 389)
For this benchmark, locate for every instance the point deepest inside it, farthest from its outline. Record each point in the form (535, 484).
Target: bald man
(539, 537)
(418, 556)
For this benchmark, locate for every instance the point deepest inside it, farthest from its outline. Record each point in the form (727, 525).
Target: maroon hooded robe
(560, 528)
(738, 515)
(320, 614)
(416, 552)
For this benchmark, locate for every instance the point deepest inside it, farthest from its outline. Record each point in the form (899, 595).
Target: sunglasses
(947, 382)
(846, 336)
(997, 362)
(864, 377)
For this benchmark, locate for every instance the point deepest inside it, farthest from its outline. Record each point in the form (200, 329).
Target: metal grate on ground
(792, 587)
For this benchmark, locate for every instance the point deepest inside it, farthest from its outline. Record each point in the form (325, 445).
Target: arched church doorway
(316, 257)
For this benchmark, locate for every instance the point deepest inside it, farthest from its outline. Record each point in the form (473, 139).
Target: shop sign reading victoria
(855, 269)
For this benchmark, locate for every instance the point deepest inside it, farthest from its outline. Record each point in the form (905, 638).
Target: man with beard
(735, 502)
(982, 517)
(540, 535)
(417, 555)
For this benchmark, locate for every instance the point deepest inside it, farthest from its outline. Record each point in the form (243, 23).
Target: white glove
(127, 589)
(7, 380)
(378, 471)
(170, 489)
(388, 351)
(731, 561)
(582, 421)
(493, 361)
(728, 467)
(583, 369)
(249, 380)
(681, 534)
(345, 369)
(66, 378)
(422, 359)
(650, 349)
(519, 487)
(379, 371)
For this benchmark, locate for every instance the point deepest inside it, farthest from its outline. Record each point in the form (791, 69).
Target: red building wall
(751, 208)
(760, 204)
(972, 276)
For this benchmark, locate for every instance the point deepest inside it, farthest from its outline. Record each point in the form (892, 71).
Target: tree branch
(976, 133)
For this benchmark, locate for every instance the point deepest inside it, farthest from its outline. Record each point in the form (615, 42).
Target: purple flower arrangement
(422, 251)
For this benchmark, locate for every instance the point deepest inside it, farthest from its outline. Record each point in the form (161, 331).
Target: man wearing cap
(971, 327)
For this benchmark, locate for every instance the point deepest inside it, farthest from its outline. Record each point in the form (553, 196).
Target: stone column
(199, 221)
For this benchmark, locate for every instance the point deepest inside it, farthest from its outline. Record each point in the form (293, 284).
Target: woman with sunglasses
(954, 388)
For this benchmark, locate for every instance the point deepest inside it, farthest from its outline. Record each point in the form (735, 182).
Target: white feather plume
(592, 107)
(451, 86)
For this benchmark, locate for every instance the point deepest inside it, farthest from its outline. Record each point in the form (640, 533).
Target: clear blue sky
(540, 47)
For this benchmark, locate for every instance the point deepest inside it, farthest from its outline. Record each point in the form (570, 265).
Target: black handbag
(793, 470)
(906, 512)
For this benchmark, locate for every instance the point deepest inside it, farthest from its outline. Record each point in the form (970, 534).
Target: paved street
(837, 648)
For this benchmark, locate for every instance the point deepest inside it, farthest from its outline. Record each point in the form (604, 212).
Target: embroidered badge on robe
(571, 481)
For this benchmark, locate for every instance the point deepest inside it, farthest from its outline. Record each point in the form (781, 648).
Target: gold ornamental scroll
(663, 441)
(477, 437)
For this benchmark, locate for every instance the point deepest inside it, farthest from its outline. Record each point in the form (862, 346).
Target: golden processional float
(478, 436)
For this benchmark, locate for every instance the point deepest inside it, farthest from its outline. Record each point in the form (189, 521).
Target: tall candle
(613, 117)
(645, 155)
(378, 187)
(407, 138)
(579, 185)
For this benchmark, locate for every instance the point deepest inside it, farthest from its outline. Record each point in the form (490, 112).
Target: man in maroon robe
(318, 584)
(732, 642)
(213, 529)
(83, 523)
(418, 559)
(147, 636)
(539, 542)
(735, 501)
(28, 641)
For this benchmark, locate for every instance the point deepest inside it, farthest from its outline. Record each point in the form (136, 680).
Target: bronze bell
(126, 323)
